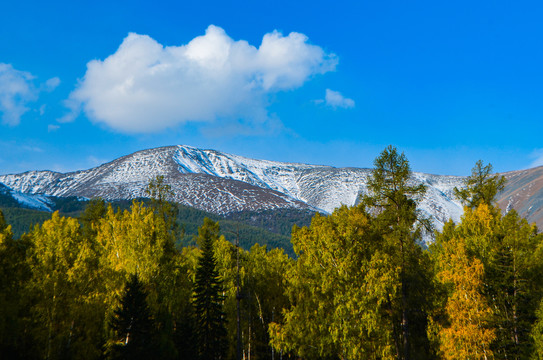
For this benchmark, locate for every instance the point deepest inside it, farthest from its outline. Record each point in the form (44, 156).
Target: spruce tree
(209, 298)
(133, 324)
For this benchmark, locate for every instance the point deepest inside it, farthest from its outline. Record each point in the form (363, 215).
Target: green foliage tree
(14, 273)
(481, 187)
(95, 210)
(133, 324)
(392, 199)
(208, 297)
(161, 196)
(514, 285)
(339, 291)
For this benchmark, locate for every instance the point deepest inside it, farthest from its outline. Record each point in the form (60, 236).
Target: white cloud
(147, 87)
(51, 84)
(335, 100)
(17, 89)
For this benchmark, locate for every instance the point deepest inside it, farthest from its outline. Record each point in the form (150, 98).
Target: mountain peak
(224, 183)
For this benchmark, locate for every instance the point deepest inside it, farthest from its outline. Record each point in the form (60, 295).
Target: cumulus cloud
(335, 100)
(147, 87)
(17, 89)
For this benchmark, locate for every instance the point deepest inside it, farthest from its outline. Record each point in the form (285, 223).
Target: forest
(362, 284)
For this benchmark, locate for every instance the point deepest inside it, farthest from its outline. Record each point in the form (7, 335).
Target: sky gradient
(317, 82)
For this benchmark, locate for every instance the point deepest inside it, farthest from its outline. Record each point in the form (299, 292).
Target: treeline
(268, 227)
(112, 284)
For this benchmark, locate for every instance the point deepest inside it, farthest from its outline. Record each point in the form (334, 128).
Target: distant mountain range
(223, 184)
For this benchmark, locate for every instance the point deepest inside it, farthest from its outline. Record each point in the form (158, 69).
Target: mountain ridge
(224, 183)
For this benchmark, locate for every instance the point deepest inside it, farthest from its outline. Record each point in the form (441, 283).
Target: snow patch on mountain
(38, 202)
(224, 183)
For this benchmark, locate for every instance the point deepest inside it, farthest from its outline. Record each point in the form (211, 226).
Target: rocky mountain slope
(223, 183)
(524, 193)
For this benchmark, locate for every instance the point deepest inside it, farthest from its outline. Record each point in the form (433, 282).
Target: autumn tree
(261, 295)
(506, 247)
(467, 334)
(67, 304)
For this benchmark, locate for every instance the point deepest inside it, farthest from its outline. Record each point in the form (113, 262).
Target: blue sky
(322, 82)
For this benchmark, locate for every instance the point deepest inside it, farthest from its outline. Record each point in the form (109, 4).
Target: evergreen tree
(481, 187)
(392, 199)
(14, 273)
(514, 285)
(133, 324)
(208, 297)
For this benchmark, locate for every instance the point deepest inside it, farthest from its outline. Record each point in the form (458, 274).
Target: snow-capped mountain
(225, 183)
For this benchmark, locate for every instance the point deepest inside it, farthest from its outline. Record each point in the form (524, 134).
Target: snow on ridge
(321, 187)
(279, 176)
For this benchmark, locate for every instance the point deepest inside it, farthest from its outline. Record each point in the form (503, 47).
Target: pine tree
(133, 324)
(209, 298)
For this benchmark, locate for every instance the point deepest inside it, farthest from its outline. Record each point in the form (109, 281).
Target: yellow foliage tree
(133, 241)
(340, 290)
(468, 335)
(67, 302)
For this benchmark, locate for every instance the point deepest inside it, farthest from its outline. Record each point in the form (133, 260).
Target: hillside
(226, 184)
(223, 183)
